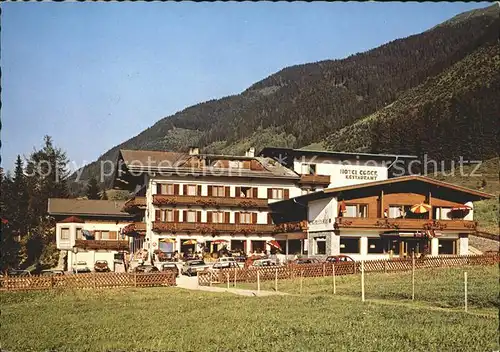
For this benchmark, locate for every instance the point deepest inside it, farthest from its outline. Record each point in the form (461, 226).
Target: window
(447, 246)
(375, 245)
(349, 245)
(166, 189)
(190, 216)
(356, 211)
(65, 234)
(320, 247)
(308, 169)
(245, 192)
(79, 234)
(277, 193)
(104, 235)
(218, 191)
(168, 215)
(246, 218)
(218, 217)
(191, 190)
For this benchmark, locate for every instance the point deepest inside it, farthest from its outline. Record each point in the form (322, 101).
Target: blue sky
(92, 75)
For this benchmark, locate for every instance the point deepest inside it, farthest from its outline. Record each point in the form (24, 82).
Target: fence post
(465, 290)
(333, 278)
(413, 277)
(385, 266)
(210, 276)
(227, 275)
(355, 266)
(301, 278)
(93, 280)
(362, 280)
(276, 281)
(235, 271)
(197, 279)
(135, 279)
(258, 281)
(324, 269)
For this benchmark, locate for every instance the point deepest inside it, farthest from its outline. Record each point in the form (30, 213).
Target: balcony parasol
(189, 242)
(420, 208)
(219, 242)
(167, 240)
(274, 244)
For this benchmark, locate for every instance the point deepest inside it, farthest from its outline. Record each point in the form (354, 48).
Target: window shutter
(184, 215)
(157, 215)
(210, 191)
(198, 216)
(238, 192)
(228, 192)
(209, 216)
(185, 189)
(237, 217)
(254, 218)
(199, 191)
(286, 193)
(158, 188)
(226, 217)
(176, 215)
(269, 219)
(269, 193)
(112, 235)
(255, 192)
(176, 189)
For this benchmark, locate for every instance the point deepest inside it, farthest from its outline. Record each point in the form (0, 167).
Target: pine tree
(20, 200)
(9, 257)
(92, 191)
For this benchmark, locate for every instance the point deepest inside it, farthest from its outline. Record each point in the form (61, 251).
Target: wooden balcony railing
(206, 201)
(299, 226)
(102, 244)
(135, 203)
(315, 179)
(134, 227)
(406, 224)
(213, 228)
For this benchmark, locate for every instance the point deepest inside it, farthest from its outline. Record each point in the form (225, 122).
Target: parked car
(228, 260)
(338, 258)
(225, 265)
(16, 272)
(191, 267)
(170, 267)
(146, 269)
(301, 261)
(52, 272)
(101, 266)
(81, 267)
(264, 262)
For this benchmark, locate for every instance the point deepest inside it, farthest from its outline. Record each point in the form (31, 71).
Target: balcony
(135, 227)
(205, 201)
(213, 228)
(323, 180)
(135, 204)
(117, 245)
(406, 224)
(299, 226)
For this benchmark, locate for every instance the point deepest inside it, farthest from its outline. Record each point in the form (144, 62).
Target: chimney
(194, 150)
(250, 152)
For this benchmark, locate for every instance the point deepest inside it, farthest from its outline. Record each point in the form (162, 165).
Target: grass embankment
(442, 288)
(170, 319)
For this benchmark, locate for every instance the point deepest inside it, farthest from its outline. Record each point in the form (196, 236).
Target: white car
(264, 262)
(81, 267)
(225, 265)
(227, 260)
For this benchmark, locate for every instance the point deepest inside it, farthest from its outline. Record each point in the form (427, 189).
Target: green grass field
(171, 319)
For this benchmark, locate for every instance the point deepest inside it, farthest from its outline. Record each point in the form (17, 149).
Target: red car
(338, 258)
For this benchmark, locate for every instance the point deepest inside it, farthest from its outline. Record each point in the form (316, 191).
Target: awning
(167, 240)
(274, 244)
(219, 242)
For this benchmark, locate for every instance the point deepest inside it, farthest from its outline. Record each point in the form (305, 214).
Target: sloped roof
(151, 161)
(89, 207)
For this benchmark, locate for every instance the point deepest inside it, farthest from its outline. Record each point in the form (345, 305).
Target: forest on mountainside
(318, 102)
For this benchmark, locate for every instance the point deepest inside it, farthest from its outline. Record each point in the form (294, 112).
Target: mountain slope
(303, 104)
(451, 115)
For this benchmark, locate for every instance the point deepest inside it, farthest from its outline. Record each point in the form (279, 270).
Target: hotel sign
(359, 174)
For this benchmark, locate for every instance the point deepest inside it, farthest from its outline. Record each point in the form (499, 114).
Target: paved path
(191, 283)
